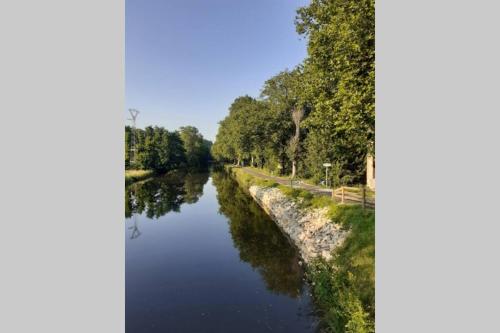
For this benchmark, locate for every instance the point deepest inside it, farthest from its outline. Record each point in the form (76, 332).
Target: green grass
(263, 171)
(246, 180)
(343, 287)
(357, 190)
(132, 176)
(306, 199)
(267, 172)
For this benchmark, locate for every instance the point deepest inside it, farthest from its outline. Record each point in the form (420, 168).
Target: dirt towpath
(315, 189)
(286, 181)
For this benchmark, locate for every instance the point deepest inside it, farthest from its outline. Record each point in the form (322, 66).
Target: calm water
(201, 256)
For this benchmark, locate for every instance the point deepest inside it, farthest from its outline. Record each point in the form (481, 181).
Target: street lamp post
(326, 165)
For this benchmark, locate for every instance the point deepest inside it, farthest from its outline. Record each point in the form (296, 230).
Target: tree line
(161, 150)
(321, 111)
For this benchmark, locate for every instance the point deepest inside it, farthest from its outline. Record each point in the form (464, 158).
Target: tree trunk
(251, 163)
(297, 115)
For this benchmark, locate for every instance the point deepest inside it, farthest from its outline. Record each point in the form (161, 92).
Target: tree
(341, 63)
(147, 156)
(222, 149)
(294, 144)
(239, 133)
(176, 152)
(195, 146)
(321, 111)
(285, 95)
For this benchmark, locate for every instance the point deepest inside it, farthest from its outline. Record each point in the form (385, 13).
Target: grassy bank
(132, 176)
(355, 188)
(343, 287)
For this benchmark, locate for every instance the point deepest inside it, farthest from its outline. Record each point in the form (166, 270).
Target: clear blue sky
(187, 60)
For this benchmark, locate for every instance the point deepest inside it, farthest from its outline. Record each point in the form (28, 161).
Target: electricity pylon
(133, 113)
(135, 229)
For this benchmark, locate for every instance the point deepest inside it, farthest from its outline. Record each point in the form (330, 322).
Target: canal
(202, 256)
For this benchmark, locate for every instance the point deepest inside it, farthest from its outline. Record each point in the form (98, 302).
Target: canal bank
(310, 230)
(336, 241)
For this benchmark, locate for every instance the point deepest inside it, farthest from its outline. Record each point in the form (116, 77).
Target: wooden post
(333, 191)
(342, 188)
(364, 196)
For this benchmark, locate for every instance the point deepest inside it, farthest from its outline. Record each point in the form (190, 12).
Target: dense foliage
(196, 147)
(333, 90)
(161, 150)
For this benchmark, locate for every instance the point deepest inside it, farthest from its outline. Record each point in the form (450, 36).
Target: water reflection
(219, 265)
(135, 229)
(159, 196)
(257, 238)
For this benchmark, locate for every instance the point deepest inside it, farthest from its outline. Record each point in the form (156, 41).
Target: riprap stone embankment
(309, 229)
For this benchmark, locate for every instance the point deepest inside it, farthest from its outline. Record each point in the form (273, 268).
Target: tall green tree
(341, 63)
(284, 93)
(197, 148)
(223, 149)
(321, 111)
(239, 132)
(147, 156)
(175, 152)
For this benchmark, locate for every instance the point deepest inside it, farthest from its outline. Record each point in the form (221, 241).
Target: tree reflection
(193, 186)
(162, 195)
(258, 239)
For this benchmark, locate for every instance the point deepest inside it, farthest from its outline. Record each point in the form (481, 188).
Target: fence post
(364, 196)
(333, 191)
(342, 194)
